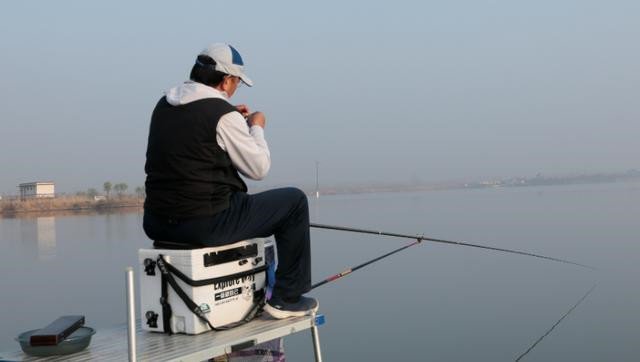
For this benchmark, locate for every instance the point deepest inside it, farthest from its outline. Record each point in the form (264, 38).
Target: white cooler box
(232, 290)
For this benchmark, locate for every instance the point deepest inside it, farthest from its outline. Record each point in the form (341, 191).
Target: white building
(36, 189)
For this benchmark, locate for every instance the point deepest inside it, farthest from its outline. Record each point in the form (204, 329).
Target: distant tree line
(120, 190)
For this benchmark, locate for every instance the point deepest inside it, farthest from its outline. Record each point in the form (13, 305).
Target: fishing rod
(419, 239)
(352, 269)
(461, 243)
(556, 324)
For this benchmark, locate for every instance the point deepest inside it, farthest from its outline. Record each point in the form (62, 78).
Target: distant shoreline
(75, 205)
(64, 205)
(538, 180)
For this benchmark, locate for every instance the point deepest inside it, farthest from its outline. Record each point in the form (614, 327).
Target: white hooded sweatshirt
(246, 146)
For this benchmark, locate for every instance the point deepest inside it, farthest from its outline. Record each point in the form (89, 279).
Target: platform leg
(316, 342)
(131, 315)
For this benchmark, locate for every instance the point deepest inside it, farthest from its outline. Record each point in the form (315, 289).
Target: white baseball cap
(228, 60)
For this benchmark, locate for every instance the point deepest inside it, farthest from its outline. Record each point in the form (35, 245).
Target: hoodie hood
(188, 92)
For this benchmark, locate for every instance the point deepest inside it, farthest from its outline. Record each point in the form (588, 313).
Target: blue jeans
(283, 213)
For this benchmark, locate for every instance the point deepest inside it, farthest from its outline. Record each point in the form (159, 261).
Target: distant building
(36, 189)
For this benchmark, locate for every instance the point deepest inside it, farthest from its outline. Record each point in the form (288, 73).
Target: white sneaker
(279, 309)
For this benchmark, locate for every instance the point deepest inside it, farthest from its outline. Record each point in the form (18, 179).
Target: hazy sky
(375, 91)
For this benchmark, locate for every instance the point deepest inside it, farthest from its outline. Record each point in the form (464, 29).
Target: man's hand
(243, 109)
(256, 119)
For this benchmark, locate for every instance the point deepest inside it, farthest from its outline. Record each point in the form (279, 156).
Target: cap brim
(235, 70)
(246, 80)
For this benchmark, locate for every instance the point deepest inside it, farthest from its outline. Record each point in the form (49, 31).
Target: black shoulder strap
(167, 278)
(162, 265)
(166, 307)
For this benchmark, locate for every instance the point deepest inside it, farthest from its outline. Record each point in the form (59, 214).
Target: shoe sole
(282, 314)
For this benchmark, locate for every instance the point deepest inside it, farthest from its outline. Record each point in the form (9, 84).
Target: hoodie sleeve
(246, 147)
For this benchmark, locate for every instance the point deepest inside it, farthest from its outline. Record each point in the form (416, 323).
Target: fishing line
(558, 322)
(460, 243)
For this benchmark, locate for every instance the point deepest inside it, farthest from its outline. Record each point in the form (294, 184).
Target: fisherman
(198, 145)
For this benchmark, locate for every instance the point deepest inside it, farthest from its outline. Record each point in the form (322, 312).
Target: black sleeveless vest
(188, 174)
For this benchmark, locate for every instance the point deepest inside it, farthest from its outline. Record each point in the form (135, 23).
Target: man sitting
(198, 144)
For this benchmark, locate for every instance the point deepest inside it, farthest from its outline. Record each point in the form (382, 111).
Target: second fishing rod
(419, 239)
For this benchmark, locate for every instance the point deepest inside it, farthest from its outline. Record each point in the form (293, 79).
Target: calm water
(429, 303)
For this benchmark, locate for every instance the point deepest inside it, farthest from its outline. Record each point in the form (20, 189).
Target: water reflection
(38, 236)
(437, 294)
(315, 208)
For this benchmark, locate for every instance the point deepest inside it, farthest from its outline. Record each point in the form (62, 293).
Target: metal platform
(111, 344)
